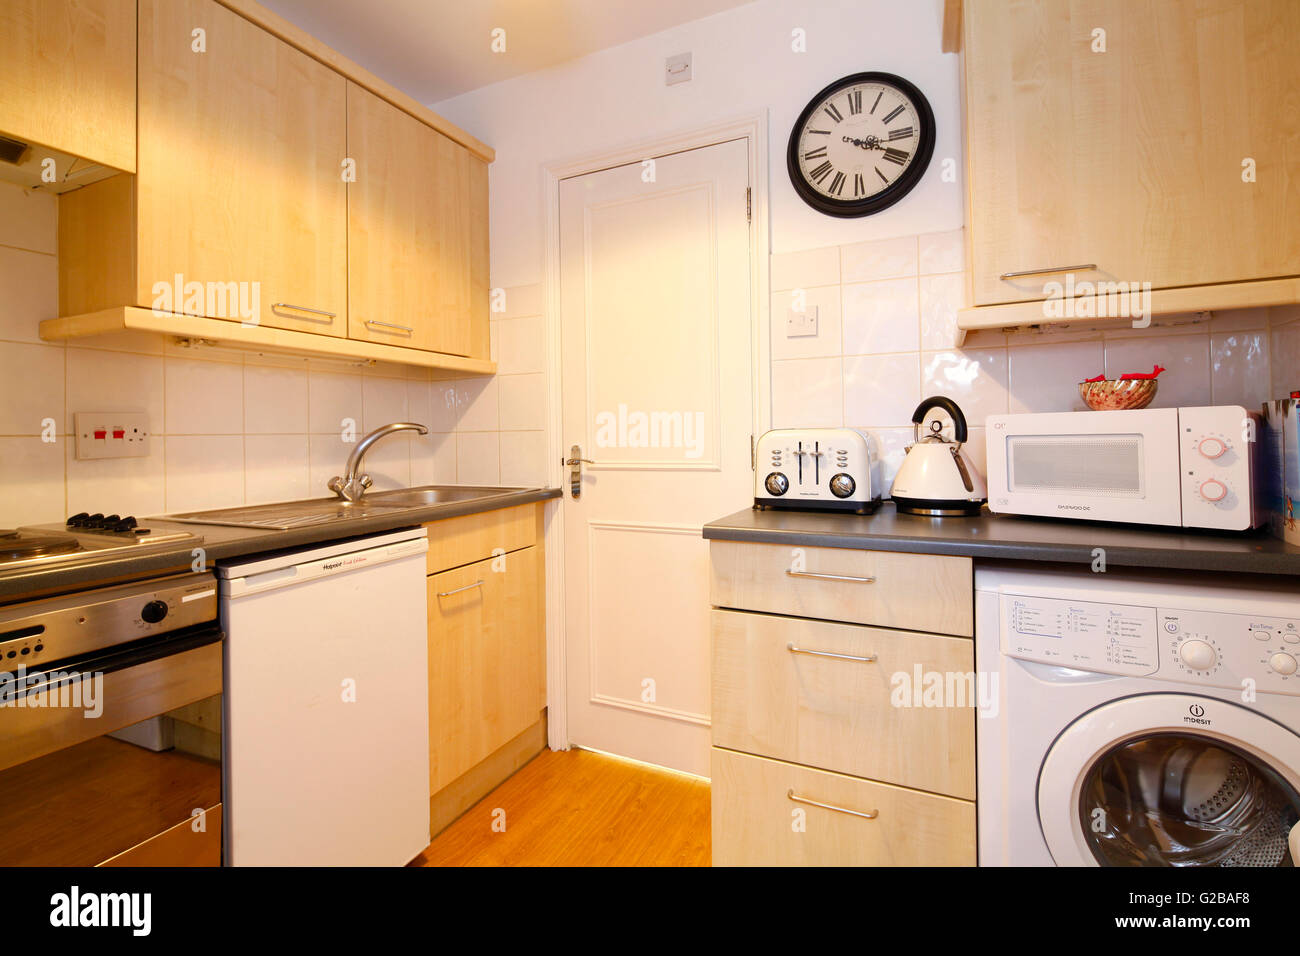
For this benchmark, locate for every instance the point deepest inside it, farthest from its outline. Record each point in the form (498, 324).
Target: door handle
(575, 461)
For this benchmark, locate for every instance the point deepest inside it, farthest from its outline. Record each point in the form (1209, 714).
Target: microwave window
(1107, 465)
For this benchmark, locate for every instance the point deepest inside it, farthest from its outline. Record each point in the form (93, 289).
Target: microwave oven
(1183, 467)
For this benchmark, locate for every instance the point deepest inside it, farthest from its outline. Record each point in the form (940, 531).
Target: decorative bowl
(1114, 394)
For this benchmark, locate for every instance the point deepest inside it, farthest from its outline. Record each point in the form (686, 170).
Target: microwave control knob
(1283, 664)
(843, 485)
(1213, 490)
(776, 484)
(1198, 655)
(1212, 447)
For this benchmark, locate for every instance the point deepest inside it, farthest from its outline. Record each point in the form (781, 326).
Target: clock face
(861, 144)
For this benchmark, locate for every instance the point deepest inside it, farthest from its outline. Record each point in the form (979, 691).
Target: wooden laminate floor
(578, 808)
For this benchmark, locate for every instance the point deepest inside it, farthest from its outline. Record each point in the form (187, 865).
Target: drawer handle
(476, 584)
(865, 814)
(277, 306)
(839, 657)
(828, 577)
(388, 325)
(1082, 267)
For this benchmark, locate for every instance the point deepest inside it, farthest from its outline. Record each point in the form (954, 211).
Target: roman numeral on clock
(877, 102)
(892, 114)
(859, 187)
(818, 153)
(903, 133)
(896, 156)
(819, 132)
(821, 172)
(837, 184)
(883, 178)
(855, 102)
(833, 113)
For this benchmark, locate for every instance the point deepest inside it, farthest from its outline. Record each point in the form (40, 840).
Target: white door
(655, 299)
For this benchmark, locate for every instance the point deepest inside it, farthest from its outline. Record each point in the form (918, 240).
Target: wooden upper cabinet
(67, 77)
(417, 233)
(241, 176)
(1131, 159)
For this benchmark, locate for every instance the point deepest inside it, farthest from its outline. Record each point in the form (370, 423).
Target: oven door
(1102, 466)
(114, 758)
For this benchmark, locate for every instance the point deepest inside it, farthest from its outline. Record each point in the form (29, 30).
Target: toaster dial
(776, 484)
(843, 485)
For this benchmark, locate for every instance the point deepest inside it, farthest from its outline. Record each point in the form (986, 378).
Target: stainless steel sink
(287, 515)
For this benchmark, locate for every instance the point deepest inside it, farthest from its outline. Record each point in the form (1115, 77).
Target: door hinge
(749, 208)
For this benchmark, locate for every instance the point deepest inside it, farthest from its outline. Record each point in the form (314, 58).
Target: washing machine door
(1171, 780)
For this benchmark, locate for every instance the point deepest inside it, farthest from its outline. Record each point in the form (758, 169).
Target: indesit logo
(1196, 715)
(74, 908)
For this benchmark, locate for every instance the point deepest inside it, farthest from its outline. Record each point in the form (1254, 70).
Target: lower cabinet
(487, 653)
(844, 697)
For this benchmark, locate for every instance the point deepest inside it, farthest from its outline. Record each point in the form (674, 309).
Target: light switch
(800, 324)
(677, 69)
(111, 435)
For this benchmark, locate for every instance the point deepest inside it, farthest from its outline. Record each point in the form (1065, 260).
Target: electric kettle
(936, 478)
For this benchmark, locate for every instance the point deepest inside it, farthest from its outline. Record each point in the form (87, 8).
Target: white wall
(743, 63)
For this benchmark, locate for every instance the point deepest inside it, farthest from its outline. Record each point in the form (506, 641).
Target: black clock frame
(904, 184)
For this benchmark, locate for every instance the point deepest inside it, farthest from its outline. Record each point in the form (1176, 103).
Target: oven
(110, 726)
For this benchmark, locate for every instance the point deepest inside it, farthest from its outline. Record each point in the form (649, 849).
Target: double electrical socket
(112, 435)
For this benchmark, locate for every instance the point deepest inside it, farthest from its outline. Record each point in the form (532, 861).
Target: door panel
(240, 170)
(657, 391)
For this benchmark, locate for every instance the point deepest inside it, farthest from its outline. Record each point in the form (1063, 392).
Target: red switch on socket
(100, 434)
(119, 432)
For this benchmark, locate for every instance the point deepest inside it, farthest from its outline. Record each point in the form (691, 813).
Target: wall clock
(861, 145)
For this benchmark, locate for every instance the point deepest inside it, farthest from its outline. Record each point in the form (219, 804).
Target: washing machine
(1139, 719)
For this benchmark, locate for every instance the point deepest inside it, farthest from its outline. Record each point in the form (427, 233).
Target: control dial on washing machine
(1197, 654)
(1283, 664)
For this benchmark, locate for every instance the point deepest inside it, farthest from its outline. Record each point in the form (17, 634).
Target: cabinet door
(417, 236)
(486, 660)
(67, 77)
(240, 184)
(1131, 159)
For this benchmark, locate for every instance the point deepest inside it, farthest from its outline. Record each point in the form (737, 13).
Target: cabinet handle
(476, 584)
(865, 814)
(388, 325)
(839, 657)
(1082, 267)
(828, 577)
(277, 306)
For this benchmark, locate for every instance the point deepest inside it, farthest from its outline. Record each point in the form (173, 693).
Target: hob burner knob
(153, 612)
(78, 520)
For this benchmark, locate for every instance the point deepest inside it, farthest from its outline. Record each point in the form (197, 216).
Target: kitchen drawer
(838, 714)
(919, 592)
(454, 542)
(754, 823)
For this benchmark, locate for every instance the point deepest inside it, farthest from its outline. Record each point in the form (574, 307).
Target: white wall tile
(29, 293)
(976, 379)
(384, 401)
(826, 300)
(203, 398)
(433, 459)
(115, 382)
(28, 220)
(36, 468)
(521, 300)
(940, 298)
(1045, 378)
(204, 471)
(881, 391)
(891, 445)
(1284, 359)
(523, 458)
(275, 401)
(477, 405)
(127, 486)
(1186, 359)
(805, 270)
(807, 393)
(942, 252)
(520, 344)
(444, 413)
(333, 397)
(478, 458)
(388, 462)
(522, 402)
(1239, 368)
(327, 458)
(878, 259)
(32, 378)
(881, 317)
(276, 468)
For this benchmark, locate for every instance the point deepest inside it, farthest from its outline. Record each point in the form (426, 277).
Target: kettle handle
(949, 406)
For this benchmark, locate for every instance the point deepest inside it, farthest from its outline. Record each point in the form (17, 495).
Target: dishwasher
(326, 704)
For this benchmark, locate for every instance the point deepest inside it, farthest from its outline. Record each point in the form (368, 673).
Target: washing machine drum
(1174, 800)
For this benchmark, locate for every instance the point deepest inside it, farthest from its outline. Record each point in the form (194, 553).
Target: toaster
(817, 469)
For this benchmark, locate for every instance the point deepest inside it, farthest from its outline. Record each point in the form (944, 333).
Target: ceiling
(435, 49)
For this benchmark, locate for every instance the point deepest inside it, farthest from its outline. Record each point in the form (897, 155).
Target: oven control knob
(1283, 664)
(843, 485)
(1212, 447)
(1198, 655)
(153, 612)
(1213, 490)
(777, 484)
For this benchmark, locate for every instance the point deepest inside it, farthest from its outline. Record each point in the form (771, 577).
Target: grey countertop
(1007, 538)
(223, 542)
